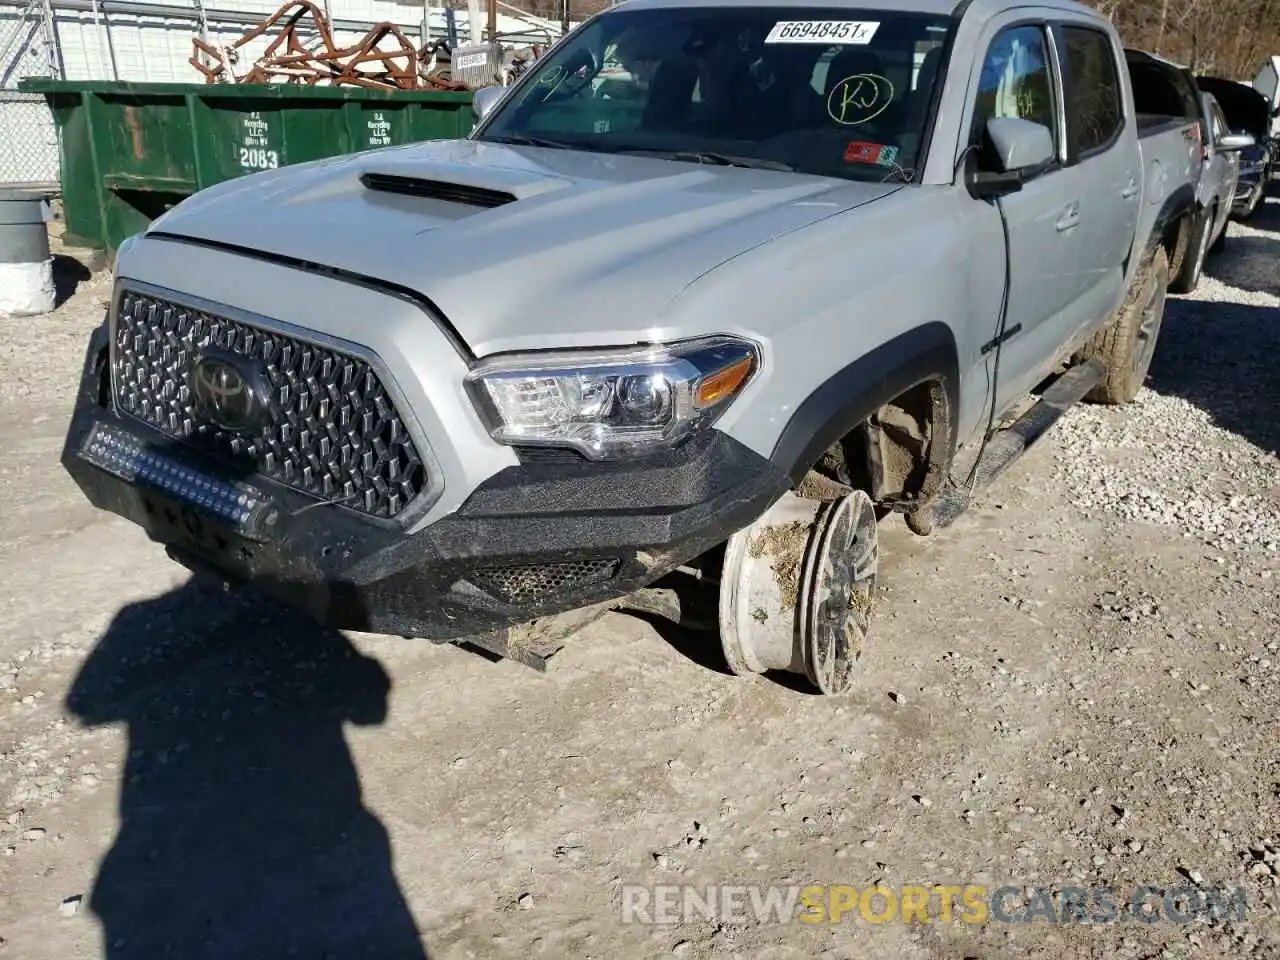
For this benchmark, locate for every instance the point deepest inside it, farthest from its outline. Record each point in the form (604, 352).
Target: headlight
(611, 404)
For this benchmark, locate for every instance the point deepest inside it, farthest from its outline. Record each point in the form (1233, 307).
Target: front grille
(333, 432)
(535, 582)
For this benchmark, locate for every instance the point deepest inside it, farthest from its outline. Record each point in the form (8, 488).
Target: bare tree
(1229, 38)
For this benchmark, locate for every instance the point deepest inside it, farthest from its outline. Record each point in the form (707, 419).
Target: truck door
(1017, 78)
(1104, 155)
(1225, 172)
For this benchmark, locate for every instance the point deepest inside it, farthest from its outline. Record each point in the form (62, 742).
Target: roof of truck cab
(936, 7)
(944, 8)
(940, 7)
(1135, 54)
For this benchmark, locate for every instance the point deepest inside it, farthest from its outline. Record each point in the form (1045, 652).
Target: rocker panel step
(1007, 445)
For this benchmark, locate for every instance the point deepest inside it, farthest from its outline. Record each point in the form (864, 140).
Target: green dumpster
(130, 151)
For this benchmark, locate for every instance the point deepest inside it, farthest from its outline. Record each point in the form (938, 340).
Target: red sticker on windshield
(860, 152)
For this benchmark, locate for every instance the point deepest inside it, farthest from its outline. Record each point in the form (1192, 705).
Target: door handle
(1069, 219)
(1131, 189)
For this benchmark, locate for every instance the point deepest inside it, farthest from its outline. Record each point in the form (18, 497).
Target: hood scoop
(462, 193)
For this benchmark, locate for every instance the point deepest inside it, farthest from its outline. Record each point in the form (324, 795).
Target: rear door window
(1091, 89)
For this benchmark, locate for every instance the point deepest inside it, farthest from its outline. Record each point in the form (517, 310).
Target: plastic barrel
(26, 268)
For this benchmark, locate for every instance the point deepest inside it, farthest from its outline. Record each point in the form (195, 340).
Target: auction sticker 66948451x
(823, 31)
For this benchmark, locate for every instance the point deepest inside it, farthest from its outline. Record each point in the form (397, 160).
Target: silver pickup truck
(783, 275)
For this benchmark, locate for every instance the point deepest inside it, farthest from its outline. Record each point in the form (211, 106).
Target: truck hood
(499, 236)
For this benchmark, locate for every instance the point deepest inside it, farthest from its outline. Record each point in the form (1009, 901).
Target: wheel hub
(797, 590)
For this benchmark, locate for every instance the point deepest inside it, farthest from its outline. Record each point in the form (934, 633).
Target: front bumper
(532, 540)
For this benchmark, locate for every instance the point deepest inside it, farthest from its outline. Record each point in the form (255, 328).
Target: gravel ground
(1075, 685)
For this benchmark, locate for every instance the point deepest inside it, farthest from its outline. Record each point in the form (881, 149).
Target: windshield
(834, 92)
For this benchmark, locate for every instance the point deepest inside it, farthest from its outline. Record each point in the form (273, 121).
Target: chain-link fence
(28, 140)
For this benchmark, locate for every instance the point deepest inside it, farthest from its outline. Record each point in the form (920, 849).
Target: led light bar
(122, 454)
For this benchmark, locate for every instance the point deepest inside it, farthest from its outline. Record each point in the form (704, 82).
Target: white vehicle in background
(1267, 82)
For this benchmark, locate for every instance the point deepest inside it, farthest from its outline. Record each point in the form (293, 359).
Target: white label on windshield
(822, 31)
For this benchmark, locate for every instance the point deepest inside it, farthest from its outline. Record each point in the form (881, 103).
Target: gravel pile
(1174, 457)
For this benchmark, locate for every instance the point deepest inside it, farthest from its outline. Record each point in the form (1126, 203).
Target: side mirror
(1234, 142)
(485, 99)
(1020, 144)
(1015, 151)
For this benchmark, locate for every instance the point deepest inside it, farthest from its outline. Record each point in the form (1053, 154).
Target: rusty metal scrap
(521, 61)
(302, 51)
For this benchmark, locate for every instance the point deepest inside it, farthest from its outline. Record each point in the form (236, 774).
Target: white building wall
(1267, 83)
(157, 50)
(147, 49)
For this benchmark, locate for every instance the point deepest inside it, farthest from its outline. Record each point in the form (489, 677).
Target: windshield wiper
(524, 140)
(707, 156)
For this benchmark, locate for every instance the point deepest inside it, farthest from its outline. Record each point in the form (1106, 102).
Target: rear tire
(1126, 345)
(1188, 277)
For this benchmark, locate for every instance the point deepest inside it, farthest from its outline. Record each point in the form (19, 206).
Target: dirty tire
(1188, 277)
(1126, 344)
(837, 592)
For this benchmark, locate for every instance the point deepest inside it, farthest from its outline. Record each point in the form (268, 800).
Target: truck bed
(1164, 94)
(1154, 124)
(1168, 117)
(1169, 126)
(1171, 162)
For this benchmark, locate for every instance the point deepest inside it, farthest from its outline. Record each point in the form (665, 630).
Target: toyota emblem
(227, 392)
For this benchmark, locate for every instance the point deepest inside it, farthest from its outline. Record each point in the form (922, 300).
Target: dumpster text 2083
(256, 158)
(254, 151)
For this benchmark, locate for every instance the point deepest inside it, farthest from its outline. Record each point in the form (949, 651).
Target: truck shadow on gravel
(1249, 263)
(1267, 216)
(242, 832)
(1224, 358)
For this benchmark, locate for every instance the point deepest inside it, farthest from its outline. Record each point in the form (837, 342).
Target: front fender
(849, 313)
(853, 393)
